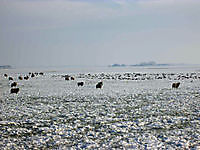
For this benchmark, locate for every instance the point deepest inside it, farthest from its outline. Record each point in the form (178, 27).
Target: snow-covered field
(133, 110)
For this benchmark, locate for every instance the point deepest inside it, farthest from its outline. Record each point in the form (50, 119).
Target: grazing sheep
(10, 78)
(175, 85)
(80, 83)
(99, 85)
(20, 78)
(13, 84)
(14, 90)
(72, 78)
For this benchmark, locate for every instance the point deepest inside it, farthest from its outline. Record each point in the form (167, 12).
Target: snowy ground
(131, 112)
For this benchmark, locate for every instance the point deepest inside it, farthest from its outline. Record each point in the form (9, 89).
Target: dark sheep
(41, 73)
(5, 75)
(99, 85)
(159, 78)
(14, 90)
(67, 77)
(80, 83)
(175, 85)
(26, 78)
(13, 84)
(20, 78)
(72, 78)
(32, 75)
(10, 78)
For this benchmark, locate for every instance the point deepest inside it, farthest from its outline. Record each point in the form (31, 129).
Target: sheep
(20, 78)
(32, 75)
(13, 84)
(26, 78)
(99, 85)
(10, 78)
(175, 85)
(14, 90)
(67, 77)
(80, 83)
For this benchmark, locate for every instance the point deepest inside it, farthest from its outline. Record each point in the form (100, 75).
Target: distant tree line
(5, 67)
(151, 63)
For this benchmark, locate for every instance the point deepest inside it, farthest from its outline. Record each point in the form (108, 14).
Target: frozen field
(134, 110)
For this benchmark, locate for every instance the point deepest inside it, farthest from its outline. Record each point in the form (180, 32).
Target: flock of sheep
(15, 89)
(99, 85)
(117, 76)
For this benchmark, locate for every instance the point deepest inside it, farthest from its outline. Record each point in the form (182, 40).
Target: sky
(98, 32)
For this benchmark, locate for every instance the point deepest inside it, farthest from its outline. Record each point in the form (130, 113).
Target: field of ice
(133, 110)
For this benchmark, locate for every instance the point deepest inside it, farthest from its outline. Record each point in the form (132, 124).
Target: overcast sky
(98, 32)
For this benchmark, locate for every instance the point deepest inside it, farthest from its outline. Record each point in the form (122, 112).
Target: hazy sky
(98, 32)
